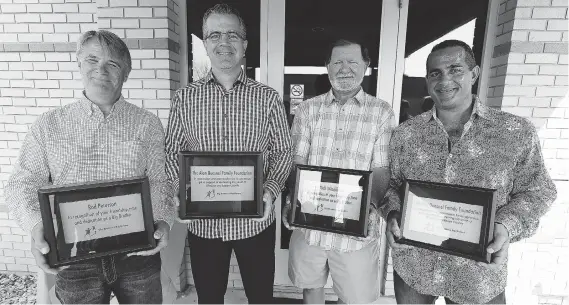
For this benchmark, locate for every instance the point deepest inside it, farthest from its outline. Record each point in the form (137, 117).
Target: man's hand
(498, 248)
(394, 232)
(285, 213)
(40, 248)
(161, 233)
(178, 219)
(269, 206)
(372, 226)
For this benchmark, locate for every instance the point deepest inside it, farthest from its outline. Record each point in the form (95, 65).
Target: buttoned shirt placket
(440, 265)
(452, 151)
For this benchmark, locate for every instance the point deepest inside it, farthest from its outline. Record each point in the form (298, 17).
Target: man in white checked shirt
(98, 137)
(226, 111)
(344, 128)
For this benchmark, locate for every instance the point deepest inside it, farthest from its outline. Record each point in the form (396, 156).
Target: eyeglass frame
(240, 36)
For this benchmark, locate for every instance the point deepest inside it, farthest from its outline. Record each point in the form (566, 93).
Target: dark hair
(346, 42)
(223, 9)
(470, 61)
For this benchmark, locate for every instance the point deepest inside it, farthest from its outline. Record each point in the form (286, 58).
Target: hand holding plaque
(269, 206)
(454, 219)
(40, 248)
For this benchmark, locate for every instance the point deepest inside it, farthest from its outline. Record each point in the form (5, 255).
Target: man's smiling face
(227, 50)
(449, 79)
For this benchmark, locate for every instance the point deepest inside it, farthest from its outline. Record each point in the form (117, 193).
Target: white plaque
(340, 200)
(222, 183)
(102, 217)
(441, 220)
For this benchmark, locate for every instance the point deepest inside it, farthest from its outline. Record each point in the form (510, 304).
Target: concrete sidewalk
(237, 296)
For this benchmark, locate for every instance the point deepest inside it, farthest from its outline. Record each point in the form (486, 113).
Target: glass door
(294, 44)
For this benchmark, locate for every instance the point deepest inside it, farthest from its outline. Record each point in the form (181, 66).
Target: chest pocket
(64, 158)
(126, 158)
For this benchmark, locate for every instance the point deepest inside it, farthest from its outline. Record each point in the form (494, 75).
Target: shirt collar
(479, 109)
(359, 97)
(241, 78)
(89, 107)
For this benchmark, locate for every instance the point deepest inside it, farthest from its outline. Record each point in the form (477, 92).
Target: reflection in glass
(250, 10)
(467, 23)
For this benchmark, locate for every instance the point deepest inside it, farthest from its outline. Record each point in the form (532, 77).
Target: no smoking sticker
(296, 91)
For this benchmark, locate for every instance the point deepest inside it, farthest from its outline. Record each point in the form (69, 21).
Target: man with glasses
(226, 111)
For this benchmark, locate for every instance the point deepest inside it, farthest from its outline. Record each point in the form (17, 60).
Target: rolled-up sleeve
(30, 174)
(532, 192)
(162, 206)
(280, 148)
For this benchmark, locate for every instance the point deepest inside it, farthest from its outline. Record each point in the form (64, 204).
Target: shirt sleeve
(30, 173)
(392, 199)
(173, 144)
(162, 206)
(380, 156)
(300, 133)
(280, 148)
(532, 192)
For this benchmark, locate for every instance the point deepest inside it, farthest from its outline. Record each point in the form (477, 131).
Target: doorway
(287, 49)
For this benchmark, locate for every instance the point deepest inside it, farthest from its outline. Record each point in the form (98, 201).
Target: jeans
(133, 280)
(210, 259)
(405, 294)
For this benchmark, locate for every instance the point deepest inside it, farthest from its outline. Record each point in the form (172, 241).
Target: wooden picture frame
(331, 199)
(453, 219)
(84, 221)
(220, 185)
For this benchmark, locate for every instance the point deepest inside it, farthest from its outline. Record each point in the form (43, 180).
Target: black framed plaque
(453, 219)
(331, 199)
(221, 185)
(96, 219)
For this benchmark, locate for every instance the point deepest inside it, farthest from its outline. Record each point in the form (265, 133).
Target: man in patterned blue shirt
(462, 141)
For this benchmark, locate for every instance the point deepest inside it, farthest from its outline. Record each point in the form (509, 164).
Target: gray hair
(223, 9)
(111, 42)
(347, 42)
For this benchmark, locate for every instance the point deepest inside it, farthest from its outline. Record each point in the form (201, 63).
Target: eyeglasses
(231, 36)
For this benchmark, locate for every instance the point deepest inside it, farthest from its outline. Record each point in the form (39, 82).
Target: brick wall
(529, 78)
(38, 72)
(529, 73)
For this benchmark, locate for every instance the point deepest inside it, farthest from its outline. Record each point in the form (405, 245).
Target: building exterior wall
(529, 78)
(38, 72)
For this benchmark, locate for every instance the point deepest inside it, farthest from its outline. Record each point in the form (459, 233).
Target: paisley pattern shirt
(496, 150)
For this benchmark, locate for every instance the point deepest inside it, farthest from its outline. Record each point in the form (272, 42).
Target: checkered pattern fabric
(77, 143)
(249, 117)
(353, 135)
